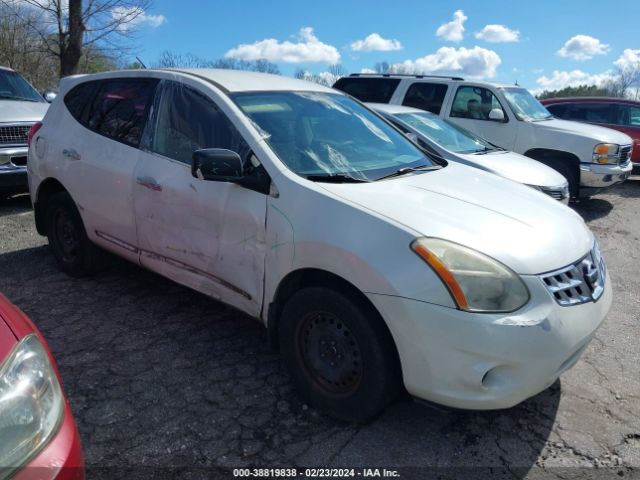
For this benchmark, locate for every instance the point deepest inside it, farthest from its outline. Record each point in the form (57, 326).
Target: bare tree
(21, 50)
(382, 67)
(170, 59)
(67, 27)
(627, 77)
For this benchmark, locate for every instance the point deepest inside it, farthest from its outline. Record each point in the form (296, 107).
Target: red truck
(616, 113)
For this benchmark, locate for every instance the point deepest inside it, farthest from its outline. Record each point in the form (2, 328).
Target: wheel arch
(47, 188)
(314, 277)
(561, 161)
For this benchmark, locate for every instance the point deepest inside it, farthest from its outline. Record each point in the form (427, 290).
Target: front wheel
(339, 353)
(74, 252)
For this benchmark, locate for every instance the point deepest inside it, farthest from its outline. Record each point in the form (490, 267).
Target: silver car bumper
(595, 177)
(13, 168)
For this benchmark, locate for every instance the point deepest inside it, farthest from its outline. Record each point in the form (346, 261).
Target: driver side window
(187, 120)
(475, 103)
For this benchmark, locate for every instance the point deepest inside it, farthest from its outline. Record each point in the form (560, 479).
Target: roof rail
(404, 75)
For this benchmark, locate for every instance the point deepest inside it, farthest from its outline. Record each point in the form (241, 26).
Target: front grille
(625, 153)
(580, 282)
(14, 134)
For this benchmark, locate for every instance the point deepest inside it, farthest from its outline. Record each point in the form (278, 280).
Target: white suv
(591, 158)
(371, 264)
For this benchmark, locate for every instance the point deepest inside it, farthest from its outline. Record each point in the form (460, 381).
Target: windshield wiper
(405, 170)
(336, 178)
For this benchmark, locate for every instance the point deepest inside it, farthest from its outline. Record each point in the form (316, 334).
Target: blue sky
(310, 35)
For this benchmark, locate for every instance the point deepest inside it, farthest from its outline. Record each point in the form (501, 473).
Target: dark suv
(617, 113)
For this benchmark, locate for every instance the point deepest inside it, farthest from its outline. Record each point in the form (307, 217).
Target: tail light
(32, 131)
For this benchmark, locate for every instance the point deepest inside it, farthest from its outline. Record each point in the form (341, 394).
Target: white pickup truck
(590, 157)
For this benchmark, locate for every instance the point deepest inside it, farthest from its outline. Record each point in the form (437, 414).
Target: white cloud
(474, 62)
(308, 49)
(136, 16)
(368, 70)
(629, 59)
(583, 47)
(497, 34)
(376, 43)
(453, 30)
(561, 79)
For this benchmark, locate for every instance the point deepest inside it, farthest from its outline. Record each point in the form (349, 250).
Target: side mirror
(496, 114)
(216, 164)
(49, 96)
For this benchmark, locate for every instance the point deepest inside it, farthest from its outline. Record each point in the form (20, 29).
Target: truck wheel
(74, 252)
(341, 358)
(572, 177)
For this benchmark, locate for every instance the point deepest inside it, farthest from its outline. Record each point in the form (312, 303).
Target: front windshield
(525, 106)
(14, 87)
(325, 134)
(448, 135)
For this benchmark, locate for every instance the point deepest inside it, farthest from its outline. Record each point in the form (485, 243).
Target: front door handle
(149, 183)
(71, 154)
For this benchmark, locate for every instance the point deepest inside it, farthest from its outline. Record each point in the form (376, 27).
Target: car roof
(6, 69)
(432, 78)
(393, 109)
(230, 81)
(589, 99)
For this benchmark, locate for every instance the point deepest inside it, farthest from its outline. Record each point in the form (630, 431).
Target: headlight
(606, 153)
(476, 282)
(31, 404)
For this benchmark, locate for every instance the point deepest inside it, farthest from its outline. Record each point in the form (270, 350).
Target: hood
(523, 228)
(516, 167)
(22, 111)
(587, 130)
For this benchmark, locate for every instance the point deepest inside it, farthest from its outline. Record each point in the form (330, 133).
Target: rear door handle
(71, 154)
(149, 183)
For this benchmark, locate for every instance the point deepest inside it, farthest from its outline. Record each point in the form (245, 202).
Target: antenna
(517, 83)
(141, 62)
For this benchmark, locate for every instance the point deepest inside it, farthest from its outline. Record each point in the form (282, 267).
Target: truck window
(426, 96)
(475, 103)
(594, 112)
(375, 90)
(628, 115)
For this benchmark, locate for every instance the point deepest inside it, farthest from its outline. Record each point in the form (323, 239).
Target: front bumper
(61, 459)
(489, 361)
(13, 170)
(595, 177)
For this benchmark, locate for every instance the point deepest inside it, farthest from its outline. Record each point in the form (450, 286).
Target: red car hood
(14, 325)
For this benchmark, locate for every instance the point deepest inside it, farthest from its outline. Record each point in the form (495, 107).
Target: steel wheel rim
(66, 235)
(330, 353)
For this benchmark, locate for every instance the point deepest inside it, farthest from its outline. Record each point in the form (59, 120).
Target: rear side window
(376, 90)
(426, 96)
(590, 112)
(119, 109)
(628, 115)
(79, 99)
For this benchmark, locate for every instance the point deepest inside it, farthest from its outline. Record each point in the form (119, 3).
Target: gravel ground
(164, 381)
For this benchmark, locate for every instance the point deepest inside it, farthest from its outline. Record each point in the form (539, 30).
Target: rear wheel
(74, 252)
(339, 353)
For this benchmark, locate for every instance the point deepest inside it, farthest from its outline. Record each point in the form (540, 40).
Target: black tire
(569, 172)
(340, 354)
(74, 252)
